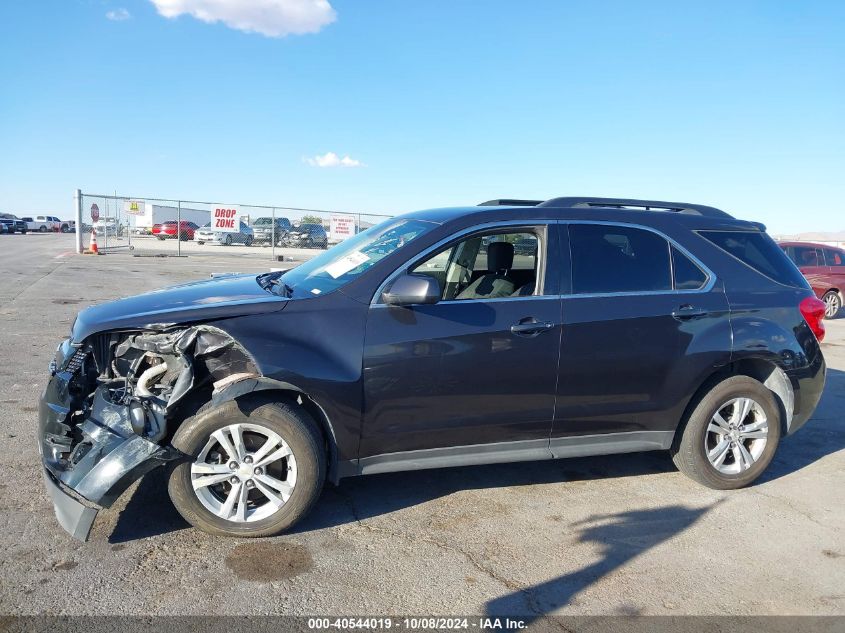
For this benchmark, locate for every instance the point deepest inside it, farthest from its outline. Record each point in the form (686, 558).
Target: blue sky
(737, 104)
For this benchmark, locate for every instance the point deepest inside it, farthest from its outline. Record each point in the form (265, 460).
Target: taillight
(813, 311)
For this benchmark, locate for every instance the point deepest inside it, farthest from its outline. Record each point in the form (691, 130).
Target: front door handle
(530, 327)
(687, 312)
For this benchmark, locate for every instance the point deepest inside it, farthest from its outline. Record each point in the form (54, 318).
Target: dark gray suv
(523, 331)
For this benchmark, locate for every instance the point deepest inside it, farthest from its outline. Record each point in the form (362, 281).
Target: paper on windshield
(347, 263)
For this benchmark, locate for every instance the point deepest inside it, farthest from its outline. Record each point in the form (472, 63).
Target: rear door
(644, 322)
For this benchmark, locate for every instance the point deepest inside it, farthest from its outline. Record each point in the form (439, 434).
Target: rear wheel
(248, 241)
(832, 304)
(255, 468)
(731, 435)
(42, 229)
(228, 240)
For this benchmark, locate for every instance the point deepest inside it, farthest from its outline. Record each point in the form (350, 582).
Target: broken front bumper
(90, 457)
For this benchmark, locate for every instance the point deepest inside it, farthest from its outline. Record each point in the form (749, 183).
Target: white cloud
(118, 15)
(273, 18)
(330, 159)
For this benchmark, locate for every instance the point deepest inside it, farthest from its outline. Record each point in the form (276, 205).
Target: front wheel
(731, 435)
(255, 468)
(42, 229)
(248, 241)
(228, 240)
(832, 304)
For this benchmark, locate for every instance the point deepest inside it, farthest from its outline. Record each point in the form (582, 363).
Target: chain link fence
(162, 227)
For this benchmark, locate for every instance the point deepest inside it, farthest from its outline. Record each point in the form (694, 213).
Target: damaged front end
(113, 402)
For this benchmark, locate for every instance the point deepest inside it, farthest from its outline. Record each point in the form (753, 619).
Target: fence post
(273, 237)
(179, 229)
(77, 204)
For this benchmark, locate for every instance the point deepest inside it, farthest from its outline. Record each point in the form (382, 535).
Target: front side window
(490, 265)
(611, 259)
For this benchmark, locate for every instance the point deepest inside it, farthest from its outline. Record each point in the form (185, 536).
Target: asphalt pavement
(622, 534)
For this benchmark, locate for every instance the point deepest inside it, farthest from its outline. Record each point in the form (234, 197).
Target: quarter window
(608, 259)
(686, 274)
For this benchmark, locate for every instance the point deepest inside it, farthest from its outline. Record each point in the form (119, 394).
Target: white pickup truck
(42, 223)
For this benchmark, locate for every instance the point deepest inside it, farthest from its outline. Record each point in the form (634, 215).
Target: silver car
(244, 236)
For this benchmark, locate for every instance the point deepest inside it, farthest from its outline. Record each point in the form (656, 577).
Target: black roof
(613, 203)
(693, 216)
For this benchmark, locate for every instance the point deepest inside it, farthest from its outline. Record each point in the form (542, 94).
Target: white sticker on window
(345, 264)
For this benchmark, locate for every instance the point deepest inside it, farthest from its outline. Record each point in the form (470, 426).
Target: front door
(480, 366)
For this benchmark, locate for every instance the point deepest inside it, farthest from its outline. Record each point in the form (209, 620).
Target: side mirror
(412, 290)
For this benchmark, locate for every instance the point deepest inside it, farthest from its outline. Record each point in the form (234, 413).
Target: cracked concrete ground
(621, 534)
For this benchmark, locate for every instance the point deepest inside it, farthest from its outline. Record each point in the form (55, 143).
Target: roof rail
(644, 205)
(510, 202)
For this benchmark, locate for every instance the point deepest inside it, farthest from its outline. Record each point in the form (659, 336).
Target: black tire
(297, 429)
(248, 241)
(200, 243)
(161, 238)
(833, 304)
(228, 240)
(42, 229)
(689, 452)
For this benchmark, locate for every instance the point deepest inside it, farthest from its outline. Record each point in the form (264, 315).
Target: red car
(824, 268)
(168, 229)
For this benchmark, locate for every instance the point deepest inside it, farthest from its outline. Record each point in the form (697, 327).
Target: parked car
(169, 229)
(42, 223)
(67, 226)
(307, 236)
(263, 230)
(639, 325)
(109, 227)
(13, 223)
(243, 236)
(824, 268)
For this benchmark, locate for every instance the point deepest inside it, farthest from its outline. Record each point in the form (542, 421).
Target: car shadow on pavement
(148, 512)
(618, 537)
(361, 498)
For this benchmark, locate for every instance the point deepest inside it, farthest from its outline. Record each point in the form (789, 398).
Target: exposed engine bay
(115, 400)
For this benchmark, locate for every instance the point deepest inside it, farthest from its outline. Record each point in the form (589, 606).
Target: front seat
(496, 282)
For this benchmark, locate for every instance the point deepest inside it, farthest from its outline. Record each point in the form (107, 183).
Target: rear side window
(834, 258)
(760, 252)
(608, 259)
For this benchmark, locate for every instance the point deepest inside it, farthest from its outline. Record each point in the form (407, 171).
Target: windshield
(342, 263)
(263, 222)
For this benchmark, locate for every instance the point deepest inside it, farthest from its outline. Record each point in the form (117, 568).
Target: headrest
(499, 256)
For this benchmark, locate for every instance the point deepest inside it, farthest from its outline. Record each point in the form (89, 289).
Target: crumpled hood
(221, 297)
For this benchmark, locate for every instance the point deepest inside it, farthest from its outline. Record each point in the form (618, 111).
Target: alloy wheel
(832, 304)
(244, 473)
(736, 436)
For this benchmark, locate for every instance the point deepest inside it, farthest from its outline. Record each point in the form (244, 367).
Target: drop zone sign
(226, 219)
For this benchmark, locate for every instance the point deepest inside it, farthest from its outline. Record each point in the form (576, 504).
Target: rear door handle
(687, 312)
(530, 327)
